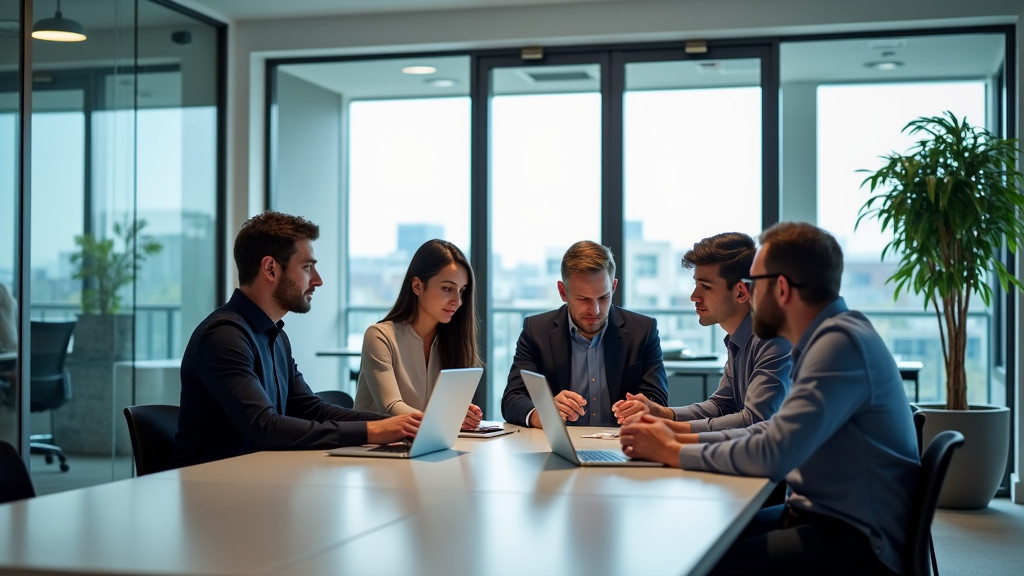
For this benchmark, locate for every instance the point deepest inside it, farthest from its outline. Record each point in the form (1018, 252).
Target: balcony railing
(911, 335)
(157, 326)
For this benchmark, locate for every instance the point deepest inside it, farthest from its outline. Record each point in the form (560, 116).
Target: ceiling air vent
(559, 76)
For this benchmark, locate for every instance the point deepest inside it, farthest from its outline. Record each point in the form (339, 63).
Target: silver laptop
(442, 419)
(558, 436)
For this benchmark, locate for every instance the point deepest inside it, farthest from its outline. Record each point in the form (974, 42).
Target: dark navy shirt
(242, 392)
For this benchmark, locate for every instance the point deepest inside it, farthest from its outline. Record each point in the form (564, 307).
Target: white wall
(308, 148)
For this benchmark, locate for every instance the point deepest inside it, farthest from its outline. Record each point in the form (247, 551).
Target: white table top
(495, 506)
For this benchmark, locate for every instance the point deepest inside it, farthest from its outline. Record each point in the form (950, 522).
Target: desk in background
(346, 353)
(498, 506)
(350, 352)
(711, 371)
(156, 381)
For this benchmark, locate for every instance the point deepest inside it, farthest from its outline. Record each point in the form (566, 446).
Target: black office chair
(51, 384)
(337, 397)
(15, 483)
(919, 418)
(151, 428)
(934, 464)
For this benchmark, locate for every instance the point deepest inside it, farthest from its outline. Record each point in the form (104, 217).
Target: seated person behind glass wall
(591, 352)
(241, 390)
(432, 326)
(756, 374)
(843, 437)
(8, 321)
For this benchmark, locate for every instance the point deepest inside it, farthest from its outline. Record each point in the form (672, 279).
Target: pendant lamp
(58, 28)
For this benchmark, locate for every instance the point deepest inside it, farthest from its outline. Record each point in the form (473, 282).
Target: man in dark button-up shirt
(241, 390)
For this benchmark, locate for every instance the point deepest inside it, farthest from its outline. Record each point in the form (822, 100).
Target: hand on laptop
(473, 417)
(393, 429)
(570, 405)
(635, 406)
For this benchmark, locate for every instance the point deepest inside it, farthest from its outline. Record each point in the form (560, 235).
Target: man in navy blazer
(591, 352)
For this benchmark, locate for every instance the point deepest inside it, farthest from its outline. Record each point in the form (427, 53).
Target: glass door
(645, 151)
(693, 166)
(544, 189)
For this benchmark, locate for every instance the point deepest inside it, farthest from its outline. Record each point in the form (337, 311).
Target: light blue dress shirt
(588, 378)
(754, 382)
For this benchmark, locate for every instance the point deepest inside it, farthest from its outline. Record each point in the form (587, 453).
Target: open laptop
(442, 418)
(557, 435)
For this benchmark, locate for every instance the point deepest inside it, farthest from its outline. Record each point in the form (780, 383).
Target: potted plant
(107, 265)
(952, 202)
(106, 269)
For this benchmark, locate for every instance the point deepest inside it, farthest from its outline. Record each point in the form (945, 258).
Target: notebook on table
(558, 436)
(442, 418)
(486, 429)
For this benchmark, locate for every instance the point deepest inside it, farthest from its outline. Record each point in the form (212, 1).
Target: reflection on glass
(129, 135)
(692, 169)
(10, 226)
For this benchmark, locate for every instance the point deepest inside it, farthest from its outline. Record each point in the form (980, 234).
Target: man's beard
(768, 319)
(291, 297)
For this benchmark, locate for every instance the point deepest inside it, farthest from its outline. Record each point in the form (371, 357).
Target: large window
(856, 124)
(647, 150)
(545, 193)
(377, 153)
(848, 114)
(692, 169)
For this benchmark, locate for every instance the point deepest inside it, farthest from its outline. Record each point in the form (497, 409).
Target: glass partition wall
(121, 235)
(12, 139)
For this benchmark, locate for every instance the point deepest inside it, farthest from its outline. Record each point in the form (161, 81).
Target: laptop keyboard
(599, 456)
(397, 448)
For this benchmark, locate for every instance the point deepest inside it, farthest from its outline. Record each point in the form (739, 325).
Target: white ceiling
(924, 57)
(270, 9)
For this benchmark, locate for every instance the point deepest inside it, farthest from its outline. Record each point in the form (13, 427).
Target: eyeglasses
(750, 280)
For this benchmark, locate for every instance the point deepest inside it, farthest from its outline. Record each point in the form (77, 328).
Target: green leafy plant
(108, 264)
(952, 202)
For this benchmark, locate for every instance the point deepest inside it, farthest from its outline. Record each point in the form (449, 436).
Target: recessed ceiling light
(883, 64)
(419, 70)
(440, 82)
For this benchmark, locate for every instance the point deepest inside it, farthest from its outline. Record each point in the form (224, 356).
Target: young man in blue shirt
(843, 438)
(756, 374)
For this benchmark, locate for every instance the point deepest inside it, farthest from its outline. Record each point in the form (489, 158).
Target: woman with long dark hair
(432, 326)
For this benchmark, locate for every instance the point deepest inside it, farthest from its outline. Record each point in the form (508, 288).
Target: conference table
(496, 506)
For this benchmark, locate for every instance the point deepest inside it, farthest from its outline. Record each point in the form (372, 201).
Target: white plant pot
(978, 466)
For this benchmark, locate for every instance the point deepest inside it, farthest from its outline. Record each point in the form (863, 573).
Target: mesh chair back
(51, 386)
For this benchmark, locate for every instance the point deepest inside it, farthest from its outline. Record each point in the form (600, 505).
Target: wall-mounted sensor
(181, 37)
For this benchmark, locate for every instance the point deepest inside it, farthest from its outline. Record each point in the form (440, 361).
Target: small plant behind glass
(109, 264)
